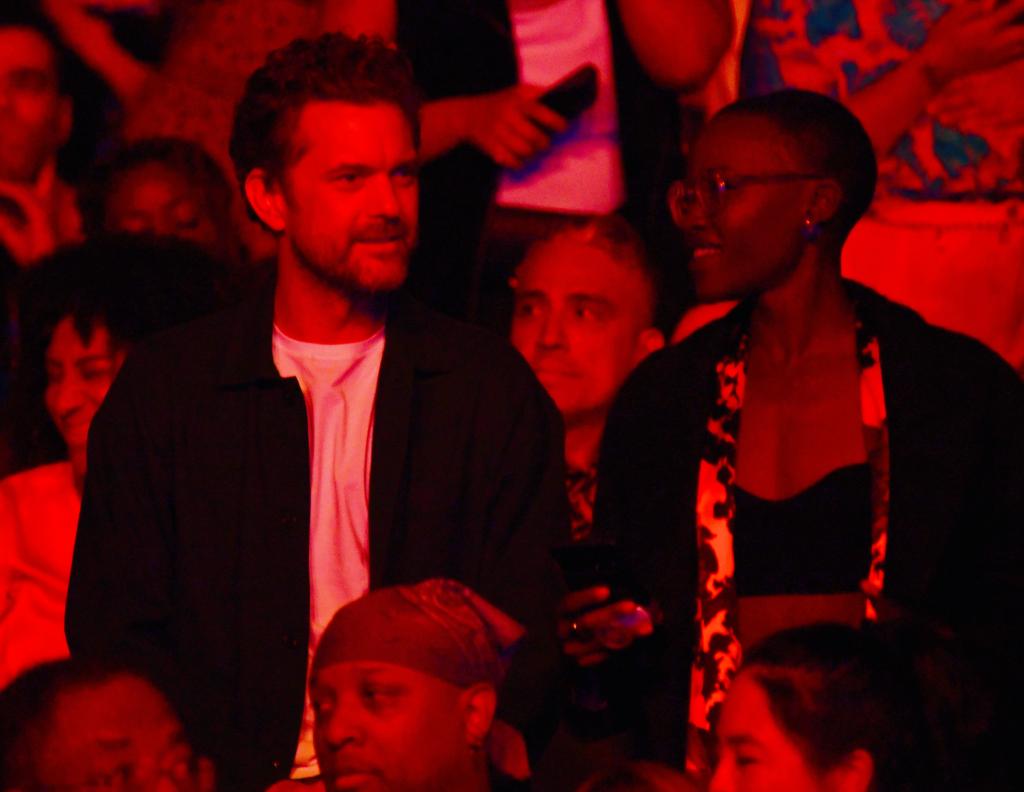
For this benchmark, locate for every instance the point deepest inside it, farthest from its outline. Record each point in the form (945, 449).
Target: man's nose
(343, 727)
(552, 332)
(386, 203)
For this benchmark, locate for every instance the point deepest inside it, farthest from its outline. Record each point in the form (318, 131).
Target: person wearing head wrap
(404, 685)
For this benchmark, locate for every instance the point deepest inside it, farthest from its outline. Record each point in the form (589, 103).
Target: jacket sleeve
(121, 577)
(528, 515)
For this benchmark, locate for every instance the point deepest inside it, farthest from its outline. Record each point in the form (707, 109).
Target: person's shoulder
(934, 352)
(435, 340)
(38, 482)
(198, 349)
(675, 370)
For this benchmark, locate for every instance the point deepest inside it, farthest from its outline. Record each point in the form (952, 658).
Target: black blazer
(956, 545)
(193, 543)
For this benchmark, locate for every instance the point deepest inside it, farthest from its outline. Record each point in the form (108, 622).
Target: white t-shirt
(582, 171)
(339, 382)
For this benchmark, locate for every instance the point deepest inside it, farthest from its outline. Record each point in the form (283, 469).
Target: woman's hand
(974, 37)
(590, 631)
(26, 226)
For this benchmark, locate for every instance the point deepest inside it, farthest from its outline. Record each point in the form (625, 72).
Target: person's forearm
(92, 40)
(444, 124)
(889, 107)
(678, 43)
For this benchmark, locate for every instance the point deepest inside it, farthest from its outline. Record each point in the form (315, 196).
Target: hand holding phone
(606, 609)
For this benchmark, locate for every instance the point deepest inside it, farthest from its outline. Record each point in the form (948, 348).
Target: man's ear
(825, 201)
(478, 703)
(266, 199)
(854, 774)
(650, 340)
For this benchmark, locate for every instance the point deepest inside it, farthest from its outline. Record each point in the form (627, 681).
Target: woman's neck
(803, 317)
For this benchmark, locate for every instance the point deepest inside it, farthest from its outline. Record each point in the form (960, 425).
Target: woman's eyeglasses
(709, 190)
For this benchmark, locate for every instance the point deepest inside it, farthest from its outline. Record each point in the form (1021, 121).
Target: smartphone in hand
(573, 94)
(587, 565)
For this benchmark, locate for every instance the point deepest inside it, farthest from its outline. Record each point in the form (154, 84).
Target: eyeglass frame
(682, 195)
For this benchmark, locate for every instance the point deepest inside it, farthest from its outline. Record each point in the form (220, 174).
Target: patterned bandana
(438, 627)
(718, 653)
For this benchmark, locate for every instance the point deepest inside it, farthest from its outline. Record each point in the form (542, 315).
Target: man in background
(585, 301)
(37, 209)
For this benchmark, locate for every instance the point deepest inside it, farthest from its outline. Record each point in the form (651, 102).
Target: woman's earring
(810, 229)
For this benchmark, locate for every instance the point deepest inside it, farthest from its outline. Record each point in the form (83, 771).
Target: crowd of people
(391, 460)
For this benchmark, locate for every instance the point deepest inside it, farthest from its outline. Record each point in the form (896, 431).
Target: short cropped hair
(333, 67)
(185, 157)
(829, 138)
(613, 234)
(28, 706)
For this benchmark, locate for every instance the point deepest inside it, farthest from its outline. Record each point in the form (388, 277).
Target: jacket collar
(410, 330)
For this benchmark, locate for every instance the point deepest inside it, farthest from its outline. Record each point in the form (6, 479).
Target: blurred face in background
(78, 375)
(118, 734)
(35, 119)
(155, 199)
(582, 320)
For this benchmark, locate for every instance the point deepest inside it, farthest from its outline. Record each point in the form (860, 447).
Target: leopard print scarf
(717, 654)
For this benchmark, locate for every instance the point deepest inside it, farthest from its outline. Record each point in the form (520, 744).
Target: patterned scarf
(581, 486)
(718, 653)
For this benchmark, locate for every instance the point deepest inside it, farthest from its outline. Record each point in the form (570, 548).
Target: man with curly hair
(252, 473)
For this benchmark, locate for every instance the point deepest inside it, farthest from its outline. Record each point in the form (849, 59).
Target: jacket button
(276, 764)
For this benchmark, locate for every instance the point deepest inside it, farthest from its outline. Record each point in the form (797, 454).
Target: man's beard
(338, 275)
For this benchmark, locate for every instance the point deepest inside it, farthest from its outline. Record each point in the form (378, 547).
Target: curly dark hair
(333, 67)
(133, 286)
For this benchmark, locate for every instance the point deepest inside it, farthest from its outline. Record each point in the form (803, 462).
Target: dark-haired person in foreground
(827, 707)
(816, 708)
(878, 462)
(253, 472)
(405, 685)
(80, 312)
(92, 724)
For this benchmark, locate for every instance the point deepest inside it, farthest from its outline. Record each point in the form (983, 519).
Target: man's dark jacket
(956, 434)
(192, 554)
